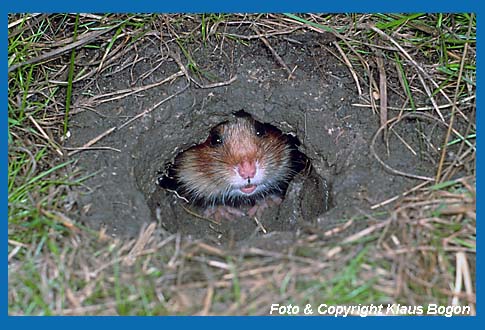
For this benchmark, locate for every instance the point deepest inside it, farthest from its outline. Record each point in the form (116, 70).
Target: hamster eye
(260, 129)
(215, 139)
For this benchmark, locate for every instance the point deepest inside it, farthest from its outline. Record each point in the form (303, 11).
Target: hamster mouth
(248, 188)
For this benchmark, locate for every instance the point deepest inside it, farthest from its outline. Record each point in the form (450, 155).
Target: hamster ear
(242, 114)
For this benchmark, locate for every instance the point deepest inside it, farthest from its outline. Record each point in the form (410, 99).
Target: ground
(316, 104)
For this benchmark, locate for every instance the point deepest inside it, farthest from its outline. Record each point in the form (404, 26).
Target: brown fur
(205, 172)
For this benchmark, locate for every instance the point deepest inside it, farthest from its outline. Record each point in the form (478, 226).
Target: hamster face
(240, 162)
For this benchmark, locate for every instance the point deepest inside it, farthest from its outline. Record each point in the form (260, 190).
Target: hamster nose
(247, 170)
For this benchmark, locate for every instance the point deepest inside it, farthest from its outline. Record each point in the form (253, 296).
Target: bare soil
(316, 104)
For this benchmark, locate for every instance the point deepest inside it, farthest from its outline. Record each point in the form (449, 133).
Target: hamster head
(241, 161)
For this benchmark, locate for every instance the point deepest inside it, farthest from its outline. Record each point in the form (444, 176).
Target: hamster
(242, 163)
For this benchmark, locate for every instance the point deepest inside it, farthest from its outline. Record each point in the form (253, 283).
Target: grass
(57, 266)
(347, 287)
(70, 79)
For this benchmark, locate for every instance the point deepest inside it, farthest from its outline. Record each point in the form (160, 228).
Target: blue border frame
(199, 6)
(4, 157)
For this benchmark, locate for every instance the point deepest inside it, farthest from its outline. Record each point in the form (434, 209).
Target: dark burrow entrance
(289, 178)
